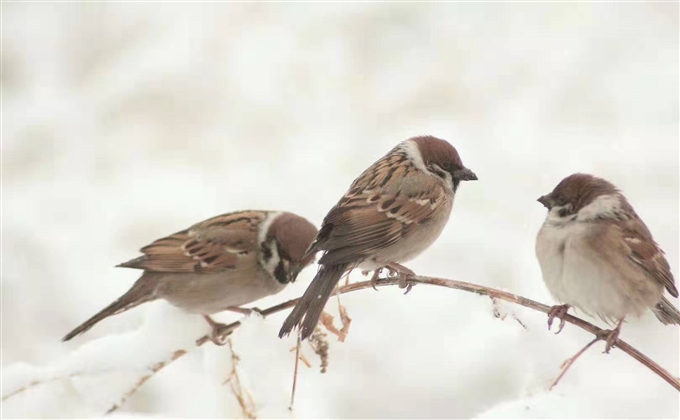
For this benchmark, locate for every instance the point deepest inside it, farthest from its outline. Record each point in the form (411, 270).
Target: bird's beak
(294, 271)
(465, 175)
(545, 200)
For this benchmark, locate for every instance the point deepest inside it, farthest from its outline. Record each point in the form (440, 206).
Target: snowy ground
(126, 122)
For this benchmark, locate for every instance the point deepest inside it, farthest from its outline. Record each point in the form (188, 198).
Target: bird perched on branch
(218, 264)
(394, 211)
(597, 255)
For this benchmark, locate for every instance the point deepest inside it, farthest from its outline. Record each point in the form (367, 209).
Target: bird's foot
(214, 335)
(404, 273)
(610, 336)
(557, 311)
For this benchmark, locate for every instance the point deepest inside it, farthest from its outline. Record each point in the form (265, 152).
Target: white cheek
(448, 180)
(603, 206)
(410, 147)
(264, 225)
(273, 262)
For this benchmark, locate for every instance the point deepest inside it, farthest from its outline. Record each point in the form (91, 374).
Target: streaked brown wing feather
(213, 245)
(646, 253)
(364, 222)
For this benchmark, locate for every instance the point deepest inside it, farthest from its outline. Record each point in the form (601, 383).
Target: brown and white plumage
(391, 213)
(226, 261)
(597, 255)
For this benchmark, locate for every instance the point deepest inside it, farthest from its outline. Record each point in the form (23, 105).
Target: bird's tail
(309, 308)
(141, 291)
(667, 312)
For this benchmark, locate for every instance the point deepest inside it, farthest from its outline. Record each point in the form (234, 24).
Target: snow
(126, 122)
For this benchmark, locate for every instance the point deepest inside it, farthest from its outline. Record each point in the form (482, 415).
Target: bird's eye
(446, 165)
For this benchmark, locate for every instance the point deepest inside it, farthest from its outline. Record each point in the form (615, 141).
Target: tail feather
(141, 291)
(309, 308)
(667, 312)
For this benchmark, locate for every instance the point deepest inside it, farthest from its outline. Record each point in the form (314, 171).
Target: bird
(218, 264)
(597, 255)
(391, 213)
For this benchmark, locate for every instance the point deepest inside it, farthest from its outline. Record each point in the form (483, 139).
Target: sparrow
(391, 213)
(218, 264)
(597, 255)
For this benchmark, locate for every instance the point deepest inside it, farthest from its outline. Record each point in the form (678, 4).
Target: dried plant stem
(36, 383)
(154, 369)
(570, 361)
(451, 284)
(295, 373)
(244, 399)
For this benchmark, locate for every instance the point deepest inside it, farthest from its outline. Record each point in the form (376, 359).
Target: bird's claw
(214, 335)
(215, 338)
(406, 285)
(610, 337)
(557, 311)
(403, 273)
(375, 277)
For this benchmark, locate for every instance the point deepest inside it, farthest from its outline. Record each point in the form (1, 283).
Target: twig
(154, 369)
(451, 284)
(36, 383)
(480, 290)
(483, 291)
(570, 361)
(295, 373)
(245, 402)
(303, 359)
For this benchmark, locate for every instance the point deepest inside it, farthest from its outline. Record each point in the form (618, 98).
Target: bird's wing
(641, 249)
(382, 206)
(213, 245)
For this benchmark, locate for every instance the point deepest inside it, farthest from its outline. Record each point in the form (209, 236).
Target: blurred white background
(123, 123)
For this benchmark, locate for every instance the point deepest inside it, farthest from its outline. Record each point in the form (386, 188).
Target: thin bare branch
(451, 284)
(570, 361)
(483, 291)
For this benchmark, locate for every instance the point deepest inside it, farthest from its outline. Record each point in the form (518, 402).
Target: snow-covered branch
(141, 376)
(484, 291)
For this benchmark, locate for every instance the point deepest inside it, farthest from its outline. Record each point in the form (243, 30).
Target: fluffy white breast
(577, 274)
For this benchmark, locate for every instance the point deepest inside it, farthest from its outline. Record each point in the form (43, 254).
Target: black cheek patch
(280, 273)
(563, 213)
(456, 183)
